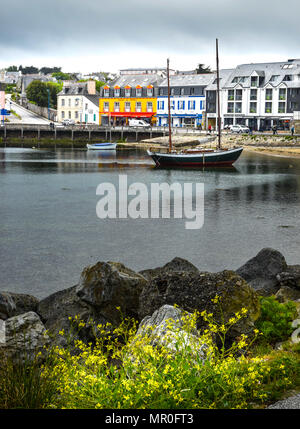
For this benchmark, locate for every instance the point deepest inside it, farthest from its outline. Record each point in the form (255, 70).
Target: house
(187, 99)
(78, 101)
(129, 96)
(260, 95)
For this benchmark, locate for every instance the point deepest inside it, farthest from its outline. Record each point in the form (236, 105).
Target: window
(149, 106)
(70, 115)
(274, 77)
(149, 92)
(62, 101)
(117, 92)
(76, 114)
(235, 79)
(69, 102)
(86, 106)
(180, 105)
(63, 114)
(268, 108)
(138, 92)
(238, 108)
(181, 91)
(269, 94)
(172, 104)
(106, 92)
(254, 80)
(253, 107)
(172, 91)
(127, 106)
(287, 77)
(253, 94)
(161, 91)
(192, 105)
(76, 101)
(138, 106)
(106, 106)
(281, 107)
(127, 92)
(282, 93)
(161, 105)
(192, 91)
(238, 94)
(230, 107)
(230, 94)
(117, 106)
(294, 106)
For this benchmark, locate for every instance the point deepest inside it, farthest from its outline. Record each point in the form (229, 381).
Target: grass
(122, 370)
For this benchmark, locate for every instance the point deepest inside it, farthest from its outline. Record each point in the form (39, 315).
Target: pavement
(292, 403)
(27, 117)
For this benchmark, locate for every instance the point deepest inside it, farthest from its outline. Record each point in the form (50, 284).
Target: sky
(96, 35)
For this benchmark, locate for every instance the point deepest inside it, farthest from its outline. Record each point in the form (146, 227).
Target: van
(138, 123)
(68, 122)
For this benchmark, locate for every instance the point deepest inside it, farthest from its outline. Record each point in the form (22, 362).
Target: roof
(75, 88)
(136, 79)
(189, 80)
(224, 74)
(93, 98)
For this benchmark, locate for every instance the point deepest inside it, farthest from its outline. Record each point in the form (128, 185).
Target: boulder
(24, 303)
(290, 277)
(177, 264)
(55, 311)
(108, 285)
(166, 327)
(261, 271)
(286, 293)
(195, 291)
(7, 306)
(25, 337)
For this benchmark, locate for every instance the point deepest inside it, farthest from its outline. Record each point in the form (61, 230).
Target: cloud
(72, 30)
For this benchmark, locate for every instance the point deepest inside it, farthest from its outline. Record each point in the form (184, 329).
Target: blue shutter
(162, 105)
(178, 105)
(183, 104)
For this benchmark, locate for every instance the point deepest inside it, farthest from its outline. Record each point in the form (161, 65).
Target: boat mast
(169, 107)
(218, 95)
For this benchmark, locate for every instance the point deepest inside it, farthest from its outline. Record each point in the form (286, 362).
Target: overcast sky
(97, 35)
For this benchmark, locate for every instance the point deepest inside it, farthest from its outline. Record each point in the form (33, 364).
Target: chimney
(91, 87)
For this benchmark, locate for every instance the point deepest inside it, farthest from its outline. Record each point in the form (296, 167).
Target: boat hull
(102, 146)
(210, 159)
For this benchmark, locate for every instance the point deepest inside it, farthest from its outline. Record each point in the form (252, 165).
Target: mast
(218, 95)
(169, 107)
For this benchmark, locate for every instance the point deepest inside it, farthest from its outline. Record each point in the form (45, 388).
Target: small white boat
(102, 146)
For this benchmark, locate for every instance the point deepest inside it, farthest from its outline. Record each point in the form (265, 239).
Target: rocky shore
(107, 290)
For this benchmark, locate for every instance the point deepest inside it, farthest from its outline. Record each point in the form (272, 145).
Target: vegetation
(123, 370)
(37, 92)
(61, 76)
(201, 69)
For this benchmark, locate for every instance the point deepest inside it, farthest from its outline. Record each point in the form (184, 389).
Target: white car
(239, 129)
(68, 122)
(138, 123)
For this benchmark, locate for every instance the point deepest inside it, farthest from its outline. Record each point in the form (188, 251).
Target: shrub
(275, 322)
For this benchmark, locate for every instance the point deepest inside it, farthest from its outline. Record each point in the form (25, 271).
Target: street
(27, 117)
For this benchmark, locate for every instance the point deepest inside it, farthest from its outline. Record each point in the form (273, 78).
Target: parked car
(138, 123)
(239, 129)
(68, 122)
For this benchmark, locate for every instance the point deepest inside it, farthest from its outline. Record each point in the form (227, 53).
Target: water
(50, 232)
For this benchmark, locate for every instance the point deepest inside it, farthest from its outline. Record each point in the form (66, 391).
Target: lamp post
(48, 91)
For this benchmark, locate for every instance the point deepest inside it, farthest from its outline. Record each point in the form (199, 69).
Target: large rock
(195, 291)
(261, 271)
(25, 337)
(177, 264)
(108, 285)
(167, 327)
(290, 277)
(24, 303)
(7, 306)
(56, 311)
(286, 293)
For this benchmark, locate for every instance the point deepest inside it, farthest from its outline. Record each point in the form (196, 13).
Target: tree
(99, 84)
(37, 92)
(29, 70)
(61, 76)
(12, 69)
(201, 69)
(48, 70)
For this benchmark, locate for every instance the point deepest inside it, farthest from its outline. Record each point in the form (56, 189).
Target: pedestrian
(209, 129)
(292, 130)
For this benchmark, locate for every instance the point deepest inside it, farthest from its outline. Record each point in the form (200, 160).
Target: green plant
(276, 318)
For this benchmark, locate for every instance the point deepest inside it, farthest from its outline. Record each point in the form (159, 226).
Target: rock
(25, 337)
(7, 306)
(290, 277)
(108, 285)
(166, 327)
(177, 264)
(56, 309)
(24, 303)
(261, 271)
(286, 293)
(194, 291)
(291, 403)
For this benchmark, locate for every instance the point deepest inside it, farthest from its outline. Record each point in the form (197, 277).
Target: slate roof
(93, 98)
(224, 74)
(189, 80)
(75, 88)
(136, 79)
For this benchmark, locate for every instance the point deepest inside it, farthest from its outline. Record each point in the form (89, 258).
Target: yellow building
(131, 96)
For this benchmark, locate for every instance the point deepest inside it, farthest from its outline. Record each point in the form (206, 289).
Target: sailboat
(197, 157)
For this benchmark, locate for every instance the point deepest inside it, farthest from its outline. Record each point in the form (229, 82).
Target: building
(78, 101)
(162, 71)
(187, 99)
(129, 96)
(259, 95)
